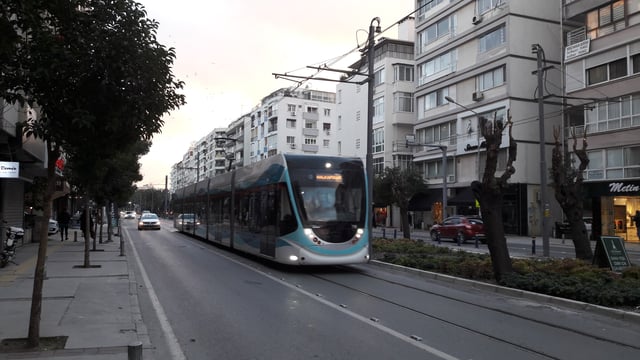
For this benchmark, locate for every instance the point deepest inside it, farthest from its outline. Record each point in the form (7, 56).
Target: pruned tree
(567, 184)
(397, 186)
(490, 190)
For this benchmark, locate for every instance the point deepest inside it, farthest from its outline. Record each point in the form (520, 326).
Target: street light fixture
(411, 141)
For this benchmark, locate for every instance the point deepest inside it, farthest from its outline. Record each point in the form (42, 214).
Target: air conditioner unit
(477, 96)
(451, 178)
(293, 146)
(476, 19)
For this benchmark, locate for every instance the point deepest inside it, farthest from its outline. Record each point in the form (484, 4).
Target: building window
(291, 123)
(310, 124)
(309, 141)
(436, 31)
(325, 143)
(431, 101)
(491, 79)
(486, 5)
(378, 141)
(291, 139)
(378, 77)
(327, 112)
(492, 40)
(358, 115)
(326, 126)
(291, 108)
(620, 113)
(403, 102)
(445, 132)
(378, 165)
(403, 72)
(605, 72)
(424, 6)
(635, 59)
(606, 20)
(404, 162)
(613, 163)
(378, 110)
(357, 143)
(440, 65)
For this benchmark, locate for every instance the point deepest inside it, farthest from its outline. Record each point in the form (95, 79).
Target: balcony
(313, 116)
(310, 132)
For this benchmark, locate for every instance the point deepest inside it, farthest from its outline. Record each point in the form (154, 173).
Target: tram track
(538, 350)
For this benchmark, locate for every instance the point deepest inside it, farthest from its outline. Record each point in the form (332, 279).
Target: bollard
(533, 245)
(134, 351)
(438, 238)
(384, 231)
(563, 239)
(75, 236)
(395, 234)
(475, 238)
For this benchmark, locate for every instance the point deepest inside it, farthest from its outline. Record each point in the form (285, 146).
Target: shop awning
(424, 200)
(464, 196)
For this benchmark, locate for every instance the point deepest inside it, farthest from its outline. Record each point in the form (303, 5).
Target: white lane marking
(368, 321)
(172, 340)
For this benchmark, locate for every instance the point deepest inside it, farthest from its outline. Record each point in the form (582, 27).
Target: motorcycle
(14, 234)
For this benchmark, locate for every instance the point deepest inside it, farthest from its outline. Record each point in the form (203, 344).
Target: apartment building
(292, 121)
(602, 77)
(478, 54)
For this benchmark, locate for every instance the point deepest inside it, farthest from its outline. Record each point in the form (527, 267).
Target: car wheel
(460, 238)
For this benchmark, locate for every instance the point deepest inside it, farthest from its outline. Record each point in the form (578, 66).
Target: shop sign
(610, 252)
(614, 188)
(9, 169)
(623, 188)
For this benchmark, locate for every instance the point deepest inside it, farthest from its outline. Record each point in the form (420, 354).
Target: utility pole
(370, 87)
(544, 205)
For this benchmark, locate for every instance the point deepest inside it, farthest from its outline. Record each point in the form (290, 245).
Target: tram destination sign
(610, 251)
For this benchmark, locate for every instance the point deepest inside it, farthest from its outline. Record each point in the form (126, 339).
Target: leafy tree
(397, 186)
(567, 183)
(97, 75)
(489, 192)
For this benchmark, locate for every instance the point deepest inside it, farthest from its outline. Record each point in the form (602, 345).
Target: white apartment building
(292, 121)
(479, 54)
(602, 77)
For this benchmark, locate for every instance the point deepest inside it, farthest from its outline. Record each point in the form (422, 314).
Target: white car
(53, 226)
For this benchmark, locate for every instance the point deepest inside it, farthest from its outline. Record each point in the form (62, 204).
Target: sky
(228, 50)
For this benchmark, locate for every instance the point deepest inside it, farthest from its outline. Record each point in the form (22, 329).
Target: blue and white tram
(292, 209)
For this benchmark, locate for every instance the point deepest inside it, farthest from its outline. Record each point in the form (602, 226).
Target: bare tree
(489, 192)
(567, 183)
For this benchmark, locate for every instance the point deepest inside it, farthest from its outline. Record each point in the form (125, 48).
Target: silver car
(53, 226)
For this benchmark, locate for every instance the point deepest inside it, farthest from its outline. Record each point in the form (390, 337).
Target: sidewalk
(96, 308)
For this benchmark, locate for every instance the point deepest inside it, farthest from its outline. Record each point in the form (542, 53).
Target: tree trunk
(491, 201)
(406, 230)
(38, 277)
(87, 232)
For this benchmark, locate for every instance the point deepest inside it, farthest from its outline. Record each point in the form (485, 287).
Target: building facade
(476, 54)
(602, 77)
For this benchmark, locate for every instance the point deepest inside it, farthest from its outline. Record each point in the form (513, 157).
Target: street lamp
(451, 100)
(411, 141)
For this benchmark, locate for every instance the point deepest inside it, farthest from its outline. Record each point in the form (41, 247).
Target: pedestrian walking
(636, 219)
(63, 223)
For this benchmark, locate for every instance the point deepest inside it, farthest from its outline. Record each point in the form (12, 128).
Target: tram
(291, 209)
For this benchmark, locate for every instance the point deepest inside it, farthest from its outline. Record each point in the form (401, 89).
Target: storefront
(614, 203)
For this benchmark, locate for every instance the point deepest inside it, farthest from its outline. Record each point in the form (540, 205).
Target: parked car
(130, 215)
(186, 222)
(149, 221)
(564, 229)
(460, 229)
(53, 226)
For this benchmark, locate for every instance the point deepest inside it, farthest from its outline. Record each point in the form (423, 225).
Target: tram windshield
(332, 192)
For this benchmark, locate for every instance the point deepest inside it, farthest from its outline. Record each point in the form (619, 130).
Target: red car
(459, 229)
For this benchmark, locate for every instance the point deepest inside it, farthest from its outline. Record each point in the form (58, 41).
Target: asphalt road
(203, 302)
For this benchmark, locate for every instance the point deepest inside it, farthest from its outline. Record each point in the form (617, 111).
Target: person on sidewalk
(636, 219)
(63, 223)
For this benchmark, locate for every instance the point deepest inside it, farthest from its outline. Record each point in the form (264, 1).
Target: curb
(542, 298)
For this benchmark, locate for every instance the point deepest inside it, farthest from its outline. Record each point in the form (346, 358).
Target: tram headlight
(293, 258)
(359, 233)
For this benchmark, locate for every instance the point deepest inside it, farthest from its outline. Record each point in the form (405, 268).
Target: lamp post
(370, 91)
(410, 141)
